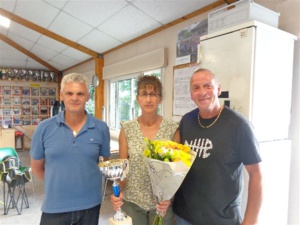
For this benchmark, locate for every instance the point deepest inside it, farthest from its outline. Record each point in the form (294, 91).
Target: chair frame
(14, 195)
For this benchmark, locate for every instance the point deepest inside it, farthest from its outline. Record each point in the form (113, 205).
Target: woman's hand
(162, 207)
(117, 202)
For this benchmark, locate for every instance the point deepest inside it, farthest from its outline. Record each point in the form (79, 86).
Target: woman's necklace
(213, 121)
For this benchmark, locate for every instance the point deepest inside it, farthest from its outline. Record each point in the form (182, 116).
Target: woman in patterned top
(136, 197)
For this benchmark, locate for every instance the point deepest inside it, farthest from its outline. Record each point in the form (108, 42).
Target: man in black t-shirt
(224, 142)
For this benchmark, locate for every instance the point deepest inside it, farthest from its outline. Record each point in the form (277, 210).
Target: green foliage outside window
(90, 105)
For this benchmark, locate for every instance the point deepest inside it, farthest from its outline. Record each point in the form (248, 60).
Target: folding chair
(14, 177)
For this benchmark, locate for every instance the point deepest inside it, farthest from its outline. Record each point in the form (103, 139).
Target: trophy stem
(114, 170)
(116, 188)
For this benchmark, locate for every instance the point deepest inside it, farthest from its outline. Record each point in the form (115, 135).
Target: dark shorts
(81, 217)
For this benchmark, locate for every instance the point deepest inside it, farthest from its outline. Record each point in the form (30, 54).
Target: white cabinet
(7, 138)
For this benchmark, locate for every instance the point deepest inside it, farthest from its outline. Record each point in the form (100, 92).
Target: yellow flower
(167, 151)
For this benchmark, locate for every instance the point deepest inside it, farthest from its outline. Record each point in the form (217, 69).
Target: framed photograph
(17, 111)
(44, 110)
(44, 91)
(7, 111)
(16, 90)
(26, 91)
(52, 91)
(35, 101)
(17, 121)
(44, 100)
(35, 110)
(52, 100)
(6, 101)
(26, 120)
(35, 91)
(26, 101)
(35, 120)
(7, 120)
(17, 101)
(6, 90)
(25, 110)
(188, 40)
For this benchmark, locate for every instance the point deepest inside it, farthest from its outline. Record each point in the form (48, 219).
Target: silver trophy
(113, 170)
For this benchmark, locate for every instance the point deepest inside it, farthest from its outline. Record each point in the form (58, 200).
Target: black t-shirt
(211, 191)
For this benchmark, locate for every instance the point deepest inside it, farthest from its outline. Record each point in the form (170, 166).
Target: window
(90, 105)
(122, 98)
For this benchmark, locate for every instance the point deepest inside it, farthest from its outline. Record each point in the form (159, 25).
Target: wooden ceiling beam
(28, 53)
(48, 33)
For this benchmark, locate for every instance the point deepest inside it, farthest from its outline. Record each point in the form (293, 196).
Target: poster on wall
(188, 39)
(182, 102)
(25, 103)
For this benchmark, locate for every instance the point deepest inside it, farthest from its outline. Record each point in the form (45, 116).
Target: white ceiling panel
(24, 32)
(64, 60)
(8, 4)
(14, 63)
(25, 43)
(58, 65)
(4, 46)
(31, 64)
(99, 41)
(69, 27)
(57, 3)
(11, 54)
(51, 43)
(128, 24)
(97, 25)
(44, 52)
(78, 55)
(36, 11)
(94, 12)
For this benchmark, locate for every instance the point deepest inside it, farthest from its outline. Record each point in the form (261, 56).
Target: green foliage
(90, 105)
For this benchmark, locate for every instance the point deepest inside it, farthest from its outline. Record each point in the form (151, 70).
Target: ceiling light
(4, 21)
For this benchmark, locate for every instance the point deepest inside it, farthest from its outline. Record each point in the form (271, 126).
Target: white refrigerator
(254, 64)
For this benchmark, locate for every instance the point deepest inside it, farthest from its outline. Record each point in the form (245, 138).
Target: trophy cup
(116, 169)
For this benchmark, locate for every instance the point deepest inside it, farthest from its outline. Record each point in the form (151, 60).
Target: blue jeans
(180, 221)
(81, 217)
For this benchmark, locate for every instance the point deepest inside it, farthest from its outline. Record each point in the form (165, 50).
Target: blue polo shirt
(72, 178)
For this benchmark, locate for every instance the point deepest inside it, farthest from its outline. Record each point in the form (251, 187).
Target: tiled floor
(32, 214)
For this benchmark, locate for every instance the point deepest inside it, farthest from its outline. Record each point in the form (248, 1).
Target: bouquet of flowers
(168, 163)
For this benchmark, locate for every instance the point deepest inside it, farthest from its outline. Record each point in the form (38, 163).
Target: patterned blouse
(138, 188)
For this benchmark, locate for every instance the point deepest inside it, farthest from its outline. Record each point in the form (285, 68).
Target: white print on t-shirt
(202, 145)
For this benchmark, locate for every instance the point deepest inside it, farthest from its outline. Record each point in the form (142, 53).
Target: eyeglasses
(152, 95)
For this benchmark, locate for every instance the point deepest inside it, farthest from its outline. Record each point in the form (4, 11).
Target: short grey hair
(74, 77)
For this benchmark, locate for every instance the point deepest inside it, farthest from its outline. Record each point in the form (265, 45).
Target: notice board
(182, 102)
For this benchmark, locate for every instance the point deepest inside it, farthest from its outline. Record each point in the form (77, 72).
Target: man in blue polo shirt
(65, 152)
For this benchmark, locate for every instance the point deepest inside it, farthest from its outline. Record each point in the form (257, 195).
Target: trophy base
(127, 221)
